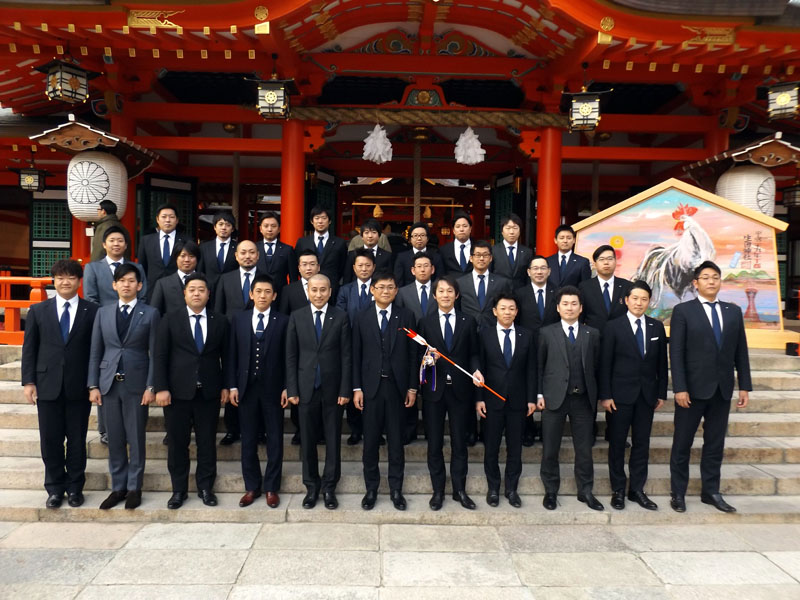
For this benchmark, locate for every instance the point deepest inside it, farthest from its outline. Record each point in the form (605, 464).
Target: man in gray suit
(417, 296)
(480, 287)
(98, 276)
(121, 379)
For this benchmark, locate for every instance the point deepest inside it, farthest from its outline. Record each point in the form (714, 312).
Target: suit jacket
(179, 367)
(241, 344)
(333, 259)
(208, 260)
(282, 267)
(522, 258)
(518, 383)
(623, 374)
(468, 300)
(50, 363)
(451, 255)
(333, 353)
(98, 280)
(405, 260)
(383, 262)
(168, 294)
(554, 363)
(293, 297)
(228, 297)
(152, 262)
(465, 353)
(349, 299)
(698, 365)
(528, 315)
(137, 348)
(407, 298)
(578, 269)
(367, 357)
(594, 309)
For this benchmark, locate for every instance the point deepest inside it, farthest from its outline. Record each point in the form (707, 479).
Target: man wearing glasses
(604, 294)
(418, 237)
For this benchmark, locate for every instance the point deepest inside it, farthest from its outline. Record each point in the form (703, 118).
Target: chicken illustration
(672, 266)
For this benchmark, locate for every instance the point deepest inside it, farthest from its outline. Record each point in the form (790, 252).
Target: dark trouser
(354, 420)
(639, 418)
(231, 417)
(513, 422)
(101, 419)
(319, 417)
(126, 422)
(384, 412)
(62, 419)
(581, 417)
(411, 415)
(260, 412)
(294, 417)
(532, 428)
(181, 416)
(714, 413)
(434, 418)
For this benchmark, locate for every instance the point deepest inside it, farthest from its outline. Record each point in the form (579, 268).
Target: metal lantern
(782, 101)
(32, 180)
(66, 81)
(273, 99)
(791, 195)
(584, 111)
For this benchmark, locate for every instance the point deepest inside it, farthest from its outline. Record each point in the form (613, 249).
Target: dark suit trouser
(411, 422)
(101, 419)
(513, 423)
(260, 412)
(639, 418)
(231, 418)
(60, 419)
(434, 412)
(354, 420)
(181, 416)
(581, 417)
(714, 413)
(126, 422)
(319, 417)
(384, 412)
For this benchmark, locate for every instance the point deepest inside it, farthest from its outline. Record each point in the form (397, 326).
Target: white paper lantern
(93, 177)
(749, 185)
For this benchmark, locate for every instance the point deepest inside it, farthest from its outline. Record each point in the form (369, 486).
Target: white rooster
(674, 265)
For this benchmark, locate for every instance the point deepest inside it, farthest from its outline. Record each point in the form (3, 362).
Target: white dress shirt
(182, 275)
(170, 236)
(131, 305)
(442, 320)
(476, 281)
(501, 337)
(632, 320)
(515, 246)
(203, 321)
(325, 236)
(567, 255)
(707, 308)
(314, 310)
(73, 308)
(457, 250)
(419, 285)
(565, 326)
(110, 262)
(254, 320)
(610, 282)
(378, 310)
(242, 271)
(218, 241)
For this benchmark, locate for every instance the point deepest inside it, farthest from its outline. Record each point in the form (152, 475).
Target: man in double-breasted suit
(217, 256)
(510, 258)
(480, 287)
(632, 381)
(331, 250)
(168, 295)
(455, 254)
(604, 294)
(98, 275)
(190, 380)
(158, 251)
(121, 380)
(568, 355)
(318, 380)
(707, 341)
(370, 234)
(566, 267)
(276, 259)
(55, 363)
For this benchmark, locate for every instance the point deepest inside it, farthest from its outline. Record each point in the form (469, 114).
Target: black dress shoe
(331, 503)
(550, 502)
(590, 501)
(677, 503)
(208, 497)
(436, 501)
(113, 499)
(133, 499)
(465, 500)
(642, 500)
(75, 500)
(618, 500)
(369, 499)
(717, 501)
(493, 497)
(104, 439)
(176, 500)
(296, 438)
(228, 439)
(353, 439)
(397, 499)
(310, 501)
(527, 440)
(514, 499)
(54, 500)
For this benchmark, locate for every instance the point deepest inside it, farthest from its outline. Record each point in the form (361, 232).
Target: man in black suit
(455, 255)
(318, 380)
(158, 251)
(566, 267)
(168, 295)
(295, 295)
(217, 256)
(258, 389)
(331, 250)
(632, 382)
(371, 234)
(707, 341)
(55, 364)
(510, 258)
(190, 380)
(604, 294)
(418, 236)
(418, 296)
(480, 287)
(275, 258)
(508, 362)
(385, 380)
(568, 355)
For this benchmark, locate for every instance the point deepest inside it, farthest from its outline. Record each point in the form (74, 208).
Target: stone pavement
(398, 561)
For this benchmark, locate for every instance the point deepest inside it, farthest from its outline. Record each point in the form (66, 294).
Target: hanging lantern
(584, 111)
(93, 177)
(32, 180)
(782, 101)
(377, 212)
(66, 81)
(273, 94)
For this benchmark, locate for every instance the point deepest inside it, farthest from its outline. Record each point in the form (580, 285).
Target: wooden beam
(210, 144)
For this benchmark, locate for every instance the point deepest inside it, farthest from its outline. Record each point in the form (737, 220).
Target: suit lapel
(270, 327)
(329, 319)
(701, 314)
(80, 315)
(137, 315)
(189, 332)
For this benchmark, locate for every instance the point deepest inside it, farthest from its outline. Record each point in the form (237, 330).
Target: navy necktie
(640, 337)
(363, 298)
(318, 329)
(165, 251)
(540, 304)
(115, 265)
(606, 298)
(448, 333)
(122, 330)
(423, 299)
(571, 334)
(507, 348)
(384, 321)
(481, 291)
(511, 260)
(462, 260)
(563, 266)
(246, 289)
(65, 322)
(715, 324)
(320, 245)
(221, 256)
(260, 326)
(270, 251)
(198, 333)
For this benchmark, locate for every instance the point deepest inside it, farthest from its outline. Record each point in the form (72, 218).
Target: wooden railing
(12, 333)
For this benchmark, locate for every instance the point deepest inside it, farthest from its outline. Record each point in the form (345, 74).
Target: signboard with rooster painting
(662, 234)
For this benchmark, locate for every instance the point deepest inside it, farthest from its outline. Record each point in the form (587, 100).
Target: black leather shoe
(369, 499)
(642, 500)
(208, 497)
(75, 500)
(397, 499)
(353, 439)
(176, 500)
(618, 500)
(493, 497)
(717, 501)
(296, 438)
(514, 499)
(465, 500)
(113, 499)
(436, 501)
(133, 499)
(527, 440)
(104, 439)
(228, 439)
(54, 500)
(677, 503)
(549, 501)
(590, 501)
(310, 501)
(331, 503)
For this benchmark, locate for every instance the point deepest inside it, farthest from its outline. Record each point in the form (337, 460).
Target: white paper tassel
(377, 146)
(468, 148)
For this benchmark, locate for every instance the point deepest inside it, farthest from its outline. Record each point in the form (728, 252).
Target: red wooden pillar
(548, 213)
(716, 141)
(293, 165)
(126, 127)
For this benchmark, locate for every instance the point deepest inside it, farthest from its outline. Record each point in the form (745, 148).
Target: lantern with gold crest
(273, 95)
(66, 81)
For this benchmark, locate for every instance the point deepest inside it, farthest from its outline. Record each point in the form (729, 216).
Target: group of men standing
(260, 326)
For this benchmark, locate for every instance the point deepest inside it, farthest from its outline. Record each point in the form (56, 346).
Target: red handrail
(12, 333)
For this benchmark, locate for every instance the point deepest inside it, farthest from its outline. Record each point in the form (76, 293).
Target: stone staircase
(760, 475)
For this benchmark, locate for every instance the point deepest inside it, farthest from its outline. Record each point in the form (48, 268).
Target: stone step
(773, 360)
(11, 371)
(28, 473)
(10, 353)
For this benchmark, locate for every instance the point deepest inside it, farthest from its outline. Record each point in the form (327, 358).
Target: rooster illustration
(674, 265)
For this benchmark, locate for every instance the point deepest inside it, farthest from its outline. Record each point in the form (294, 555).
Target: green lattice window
(51, 221)
(42, 259)
(502, 204)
